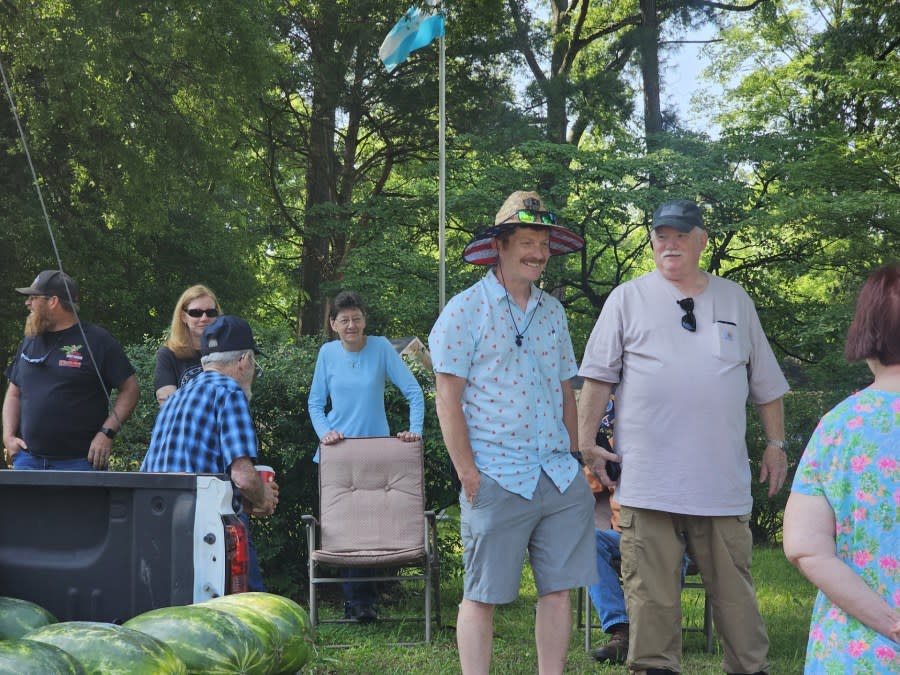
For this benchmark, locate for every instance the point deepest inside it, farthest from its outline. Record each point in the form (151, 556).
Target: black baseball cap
(52, 282)
(227, 334)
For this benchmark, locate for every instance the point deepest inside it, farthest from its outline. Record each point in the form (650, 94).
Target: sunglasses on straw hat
(534, 216)
(521, 208)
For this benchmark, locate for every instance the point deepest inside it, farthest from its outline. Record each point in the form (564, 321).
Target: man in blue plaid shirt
(206, 427)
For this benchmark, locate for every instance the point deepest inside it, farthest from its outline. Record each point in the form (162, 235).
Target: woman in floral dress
(842, 521)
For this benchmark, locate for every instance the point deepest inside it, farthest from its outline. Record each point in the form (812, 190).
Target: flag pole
(416, 29)
(442, 176)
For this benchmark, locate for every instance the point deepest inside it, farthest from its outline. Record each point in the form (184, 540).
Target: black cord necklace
(520, 334)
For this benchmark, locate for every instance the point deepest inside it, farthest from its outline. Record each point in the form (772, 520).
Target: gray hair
(225, 358)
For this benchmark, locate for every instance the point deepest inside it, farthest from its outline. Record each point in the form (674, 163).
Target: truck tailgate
(106, 546)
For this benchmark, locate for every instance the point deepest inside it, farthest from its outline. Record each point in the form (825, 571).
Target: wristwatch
(109, 433)
(777, 444)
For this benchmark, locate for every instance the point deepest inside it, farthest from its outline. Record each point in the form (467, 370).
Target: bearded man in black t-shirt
(56, 413)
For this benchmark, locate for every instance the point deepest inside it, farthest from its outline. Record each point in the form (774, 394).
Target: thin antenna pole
(442, 177)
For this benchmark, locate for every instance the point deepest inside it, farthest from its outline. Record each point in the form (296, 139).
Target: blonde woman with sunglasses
(178, 360)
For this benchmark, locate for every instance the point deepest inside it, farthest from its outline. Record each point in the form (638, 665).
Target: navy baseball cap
(227, 334)
(52, 282)
(682, 214)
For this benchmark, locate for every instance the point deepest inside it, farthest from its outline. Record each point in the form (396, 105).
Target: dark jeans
(362, 592)
(25, 461)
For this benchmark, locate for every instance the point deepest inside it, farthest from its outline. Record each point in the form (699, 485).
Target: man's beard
(37, 323)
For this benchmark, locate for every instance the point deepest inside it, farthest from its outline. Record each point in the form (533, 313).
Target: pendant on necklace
(519, 340)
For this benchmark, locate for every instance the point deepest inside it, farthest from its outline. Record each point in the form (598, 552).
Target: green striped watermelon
(289, 618)
(18, 617)
(108, 649)
(27, 657)
(261, 625)
(206, 640)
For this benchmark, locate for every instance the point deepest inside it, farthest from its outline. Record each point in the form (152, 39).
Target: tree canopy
(263, 149)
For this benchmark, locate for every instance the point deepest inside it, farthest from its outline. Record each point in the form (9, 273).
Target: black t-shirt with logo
(171, 370)
(63, 404)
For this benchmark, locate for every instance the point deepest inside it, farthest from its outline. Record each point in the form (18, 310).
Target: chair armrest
(311, 523)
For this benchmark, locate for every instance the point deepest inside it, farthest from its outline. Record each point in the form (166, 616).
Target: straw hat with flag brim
(481, 250)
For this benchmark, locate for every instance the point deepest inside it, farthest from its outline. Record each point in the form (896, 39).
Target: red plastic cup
(266, 473)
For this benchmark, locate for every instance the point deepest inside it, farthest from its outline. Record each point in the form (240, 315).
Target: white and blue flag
(418, 28)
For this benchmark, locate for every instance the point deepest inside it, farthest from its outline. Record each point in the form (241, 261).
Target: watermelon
(289, 618)
(258, 623)
(206, 640)
(108, 649)
(18, 617)
(27, 657)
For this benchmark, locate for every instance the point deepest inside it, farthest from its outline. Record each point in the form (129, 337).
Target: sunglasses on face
(197, 313)
(533, 216)
(688, 321)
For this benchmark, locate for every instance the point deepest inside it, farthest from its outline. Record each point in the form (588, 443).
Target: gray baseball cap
(682, 214)
(52, 282)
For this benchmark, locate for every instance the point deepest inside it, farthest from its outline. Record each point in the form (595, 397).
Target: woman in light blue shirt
(351, 372)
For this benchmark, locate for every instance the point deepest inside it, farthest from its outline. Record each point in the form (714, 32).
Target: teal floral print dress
(853, 460)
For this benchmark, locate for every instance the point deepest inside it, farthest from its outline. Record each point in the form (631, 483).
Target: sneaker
(364, 613)
(616, 649)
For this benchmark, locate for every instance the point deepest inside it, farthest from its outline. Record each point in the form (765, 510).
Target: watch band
(777, 444)
(109, 433)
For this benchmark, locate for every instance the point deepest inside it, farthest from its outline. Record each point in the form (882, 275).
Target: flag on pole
(418, 28)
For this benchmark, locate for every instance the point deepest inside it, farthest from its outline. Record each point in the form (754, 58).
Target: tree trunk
(649, 40)
(320, 184)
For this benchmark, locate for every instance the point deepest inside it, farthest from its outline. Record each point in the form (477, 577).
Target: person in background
(504, 363)
(351, 373)
(686, 351)
(842, 520)
(206, 426)
(178, 360)
(607, 595)
(56, 414)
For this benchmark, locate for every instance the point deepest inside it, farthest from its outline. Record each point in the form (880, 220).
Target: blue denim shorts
(557, 530)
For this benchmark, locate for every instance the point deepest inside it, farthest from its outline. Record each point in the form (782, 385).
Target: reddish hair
(875, 331)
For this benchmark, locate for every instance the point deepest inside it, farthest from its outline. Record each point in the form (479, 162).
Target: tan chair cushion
(372, 502)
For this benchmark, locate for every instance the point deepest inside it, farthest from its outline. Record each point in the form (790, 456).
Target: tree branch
(732, 8)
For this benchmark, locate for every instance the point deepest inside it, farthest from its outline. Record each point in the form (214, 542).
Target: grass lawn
(785, 600)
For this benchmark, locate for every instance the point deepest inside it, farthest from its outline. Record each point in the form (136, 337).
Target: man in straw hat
(685, 351)
(504, 361)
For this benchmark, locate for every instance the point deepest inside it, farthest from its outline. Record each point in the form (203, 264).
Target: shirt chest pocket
(728, 343)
